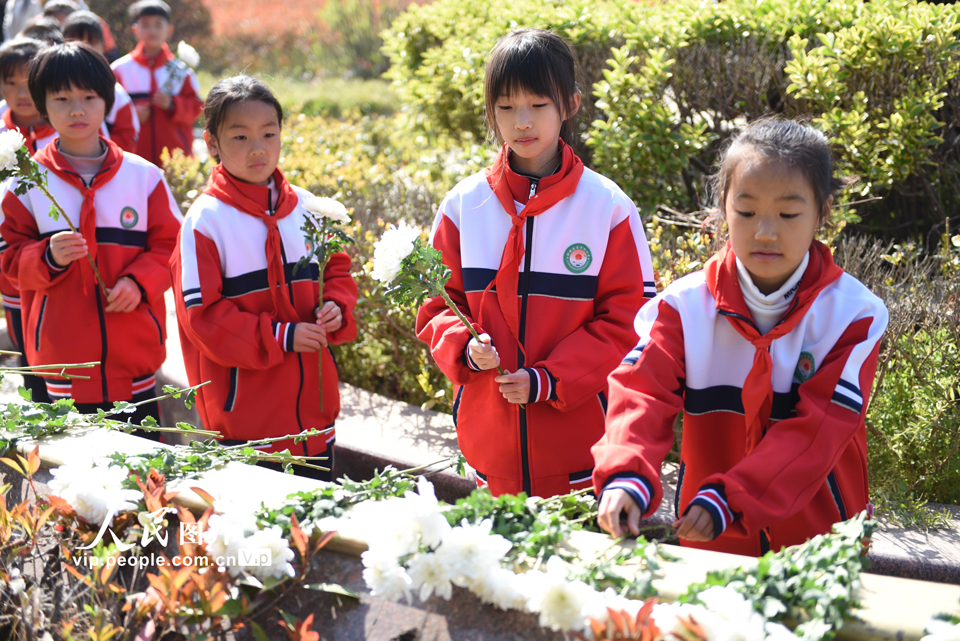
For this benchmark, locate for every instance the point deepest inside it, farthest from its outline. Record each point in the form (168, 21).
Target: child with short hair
(21, 114)
(566, 250)
(122, 121)
(46, 30)
(167, 101)
(127, 221)
(60, 10)
(249, 321)
(770, 351)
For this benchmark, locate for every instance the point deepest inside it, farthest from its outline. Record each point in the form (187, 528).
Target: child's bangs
(76, 65)
(63, 72)
(522, 70)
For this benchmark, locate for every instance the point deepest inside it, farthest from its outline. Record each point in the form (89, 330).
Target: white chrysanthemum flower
(95, 493)
(725, 616)
(501, 587)
(430, 576)
(270, 540)
(597, 608)
(778, 632)
(188, 54)
(559, 601)
(326, 207)
(470, 550)
(16, 584)
(426, 518)
(385, 577)
(10, 143)
(388, 253)
(940, 630)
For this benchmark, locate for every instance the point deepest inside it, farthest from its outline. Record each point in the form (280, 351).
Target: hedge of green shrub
(678, 77)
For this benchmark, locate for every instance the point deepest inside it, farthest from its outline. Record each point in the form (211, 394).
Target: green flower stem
(466, 323)
(43, 189)
(268, 441)
(323, 266)
(40, 370)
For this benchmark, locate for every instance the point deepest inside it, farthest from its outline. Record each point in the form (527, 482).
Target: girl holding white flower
(249, 319)
(550, 263)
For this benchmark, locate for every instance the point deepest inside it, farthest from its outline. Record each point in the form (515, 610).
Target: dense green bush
(438, 51)
(676, 79)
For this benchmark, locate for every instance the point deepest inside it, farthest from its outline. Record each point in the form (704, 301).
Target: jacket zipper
(103, 343)
(456, 406)
(283, 257)
(676, 497)
(524, 440)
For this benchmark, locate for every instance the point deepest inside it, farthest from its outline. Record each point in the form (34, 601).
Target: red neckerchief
(158, 61)
(30, 134)
(722, 281)
(509, 187)
(252, 200)
(51, 158)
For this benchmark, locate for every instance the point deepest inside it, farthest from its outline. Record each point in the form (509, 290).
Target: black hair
(59, 6)
(535, 61)
(83, 25)
(798, 145)
(234, 91)
(44, 29)
(17, 54)
(148, 8)
(74, 64)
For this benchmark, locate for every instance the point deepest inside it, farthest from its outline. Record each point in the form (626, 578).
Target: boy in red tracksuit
(249, 319)
(770, 351)
(164, 90)
(128, 223)
(549, 259)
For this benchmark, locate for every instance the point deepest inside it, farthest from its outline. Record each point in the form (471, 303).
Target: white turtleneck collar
(767, 310)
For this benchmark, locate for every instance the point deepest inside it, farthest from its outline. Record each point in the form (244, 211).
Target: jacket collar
(252, 199)
(509, 186)
(158, 61)
(51, 158)
(722, 281)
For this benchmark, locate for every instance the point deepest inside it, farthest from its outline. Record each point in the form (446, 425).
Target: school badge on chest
(577, 258)
(129, 218)
(805, 367)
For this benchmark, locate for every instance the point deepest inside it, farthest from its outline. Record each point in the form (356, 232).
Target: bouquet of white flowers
(413, 270)
(15, 161)
(325, 237)
(186, 58)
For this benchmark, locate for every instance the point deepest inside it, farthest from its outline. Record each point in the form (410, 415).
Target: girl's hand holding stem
(67, 246)
(308, 337)
(695, 525)
(483, 353)
(124, 297)
(515, 387)
(329, 316)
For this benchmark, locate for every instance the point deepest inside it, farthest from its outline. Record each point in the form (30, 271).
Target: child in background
(567, 253)
(166, 106)
(122, 121)
(22, 115)
(59, 10)
(249, 322)
(771, 352)
(46, 30)
(128, 223)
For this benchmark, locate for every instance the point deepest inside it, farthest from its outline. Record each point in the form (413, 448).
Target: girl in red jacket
(770, 351)
(128, 224)
(249, 321)
(549, 259)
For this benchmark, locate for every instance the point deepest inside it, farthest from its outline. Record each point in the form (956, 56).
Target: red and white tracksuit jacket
(774, 445)
(129, 220)
(239, 297)
(143, 78)
(121, 126)
(577, 259)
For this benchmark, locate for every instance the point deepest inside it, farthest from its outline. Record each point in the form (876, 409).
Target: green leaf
(332, 588)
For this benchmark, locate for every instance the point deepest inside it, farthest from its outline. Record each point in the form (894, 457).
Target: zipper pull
(533, 189)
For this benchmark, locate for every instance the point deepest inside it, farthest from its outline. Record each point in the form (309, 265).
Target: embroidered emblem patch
(805, 367)
(577, 258)
(129, 218)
